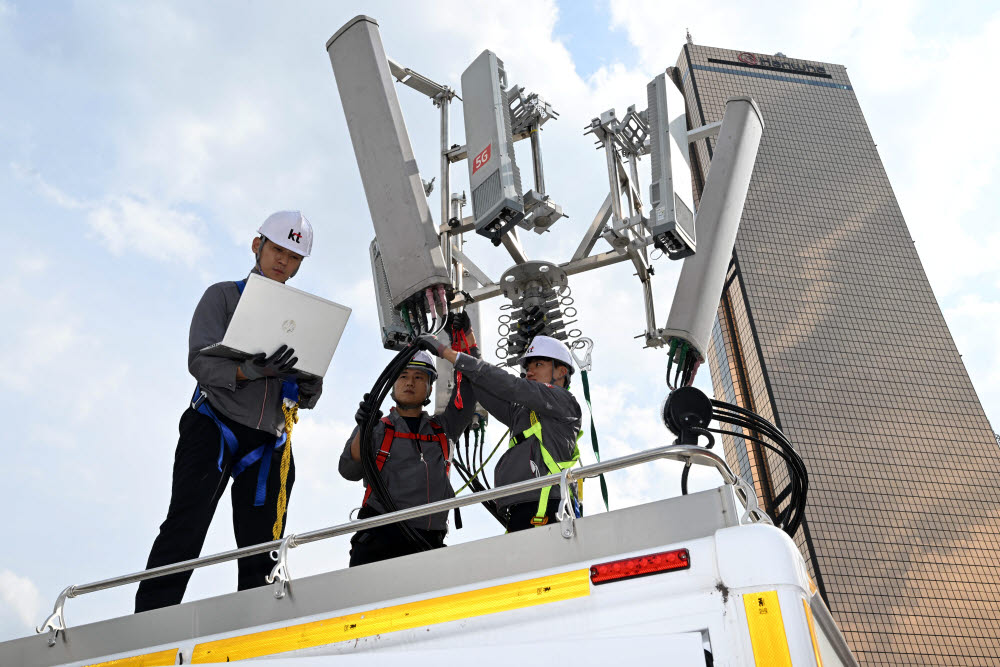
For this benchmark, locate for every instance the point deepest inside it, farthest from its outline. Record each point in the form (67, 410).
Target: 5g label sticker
(481, 159)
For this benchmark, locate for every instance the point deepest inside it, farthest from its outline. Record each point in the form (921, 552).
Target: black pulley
(687, 408)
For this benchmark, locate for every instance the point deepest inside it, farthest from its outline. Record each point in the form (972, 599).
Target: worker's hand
(458, 322)
(365, 411)
(279, 364)
(432, 344)
(459, 328)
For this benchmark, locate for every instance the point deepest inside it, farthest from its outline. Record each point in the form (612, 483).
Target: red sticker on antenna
(481, 159)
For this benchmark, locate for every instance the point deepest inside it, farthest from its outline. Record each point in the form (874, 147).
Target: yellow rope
(291, 417)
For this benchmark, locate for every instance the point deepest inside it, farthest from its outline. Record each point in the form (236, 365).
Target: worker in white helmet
(543, 416)
(235, 426)
(413, 457)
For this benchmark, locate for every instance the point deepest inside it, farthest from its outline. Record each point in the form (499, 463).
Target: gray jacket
(511, 400)
(253, 403)
(416, 471)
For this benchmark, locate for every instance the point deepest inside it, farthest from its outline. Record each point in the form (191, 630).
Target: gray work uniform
(251, 409)
(511, 400)
(253, 403)
(416, 472)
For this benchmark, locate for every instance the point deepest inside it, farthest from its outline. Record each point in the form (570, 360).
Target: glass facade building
(829, 328)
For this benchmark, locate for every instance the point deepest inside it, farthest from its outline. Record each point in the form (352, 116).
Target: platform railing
(279, 576)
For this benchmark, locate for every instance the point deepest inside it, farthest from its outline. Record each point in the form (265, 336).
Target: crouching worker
(413, 455)
(543, 416)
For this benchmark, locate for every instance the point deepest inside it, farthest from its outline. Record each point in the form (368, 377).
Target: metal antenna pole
(443, 100)
(536, 159)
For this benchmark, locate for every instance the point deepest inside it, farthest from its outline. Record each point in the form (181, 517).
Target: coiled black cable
(372, 475)
(796, 491)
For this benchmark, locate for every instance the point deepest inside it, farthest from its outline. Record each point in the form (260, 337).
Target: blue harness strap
(228, 440)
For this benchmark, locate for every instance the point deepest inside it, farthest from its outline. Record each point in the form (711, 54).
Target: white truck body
(744, 598)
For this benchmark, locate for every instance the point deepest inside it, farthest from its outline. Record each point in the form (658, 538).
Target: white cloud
(44, 188)
(937, 198)
(130, 225)
(126, 223)
(33, 265)
(20, 594)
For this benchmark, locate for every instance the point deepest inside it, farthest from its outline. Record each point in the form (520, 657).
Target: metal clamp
(583, 361)
(753, 513)
(279, 574)
(565, 512)
(56, 623)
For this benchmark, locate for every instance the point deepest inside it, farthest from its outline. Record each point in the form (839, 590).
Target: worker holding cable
(413, 453)
(543, 416)
(237, 425)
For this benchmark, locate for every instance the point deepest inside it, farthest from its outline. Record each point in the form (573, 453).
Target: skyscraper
(829, 328)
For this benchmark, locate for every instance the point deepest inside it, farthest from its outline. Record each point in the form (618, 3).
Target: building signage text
(772, 62)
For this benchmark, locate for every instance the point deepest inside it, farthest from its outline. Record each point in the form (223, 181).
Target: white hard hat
(290, 230)
(550, 348)
(422, 361)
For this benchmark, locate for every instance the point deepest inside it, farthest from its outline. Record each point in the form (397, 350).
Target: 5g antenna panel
(494, 178)
(671, 205)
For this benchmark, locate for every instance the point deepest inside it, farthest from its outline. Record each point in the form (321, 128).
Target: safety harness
(390, 436)
(228, 441)
(554, 467)
(460, 342)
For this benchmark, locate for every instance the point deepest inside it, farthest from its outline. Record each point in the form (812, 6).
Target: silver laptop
(271, 314)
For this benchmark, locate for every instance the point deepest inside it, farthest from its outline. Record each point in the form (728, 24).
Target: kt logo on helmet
(294, 236)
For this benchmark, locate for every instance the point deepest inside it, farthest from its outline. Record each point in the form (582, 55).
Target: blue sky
(142, 144)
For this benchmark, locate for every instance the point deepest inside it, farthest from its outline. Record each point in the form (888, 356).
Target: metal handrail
(684, 453)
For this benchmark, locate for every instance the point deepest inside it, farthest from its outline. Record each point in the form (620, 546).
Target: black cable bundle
(682, 363)
(481, 445)
(790, 518)
(687, 466)
(382, 386)
(474, 484)
(458, 450)
(465, 464)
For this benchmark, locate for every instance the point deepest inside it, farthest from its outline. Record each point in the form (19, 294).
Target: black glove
(279, 364)
(431, 344)
(365, 410)
(458, 322)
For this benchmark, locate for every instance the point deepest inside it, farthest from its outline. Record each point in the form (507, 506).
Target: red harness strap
(461, 343)
(390, 437)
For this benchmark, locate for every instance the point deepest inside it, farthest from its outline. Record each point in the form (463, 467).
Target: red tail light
(640, 566)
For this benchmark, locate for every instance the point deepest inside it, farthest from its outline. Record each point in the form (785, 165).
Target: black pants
(384, 542)
(197, 487)
(519, 516)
